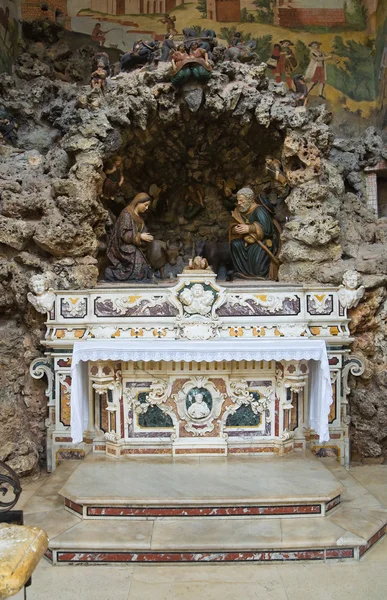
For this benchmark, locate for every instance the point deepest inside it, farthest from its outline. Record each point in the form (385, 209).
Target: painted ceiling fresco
(338, 45)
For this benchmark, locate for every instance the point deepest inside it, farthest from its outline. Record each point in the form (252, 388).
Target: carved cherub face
(38, 285)
(197, 290)
(351, 279)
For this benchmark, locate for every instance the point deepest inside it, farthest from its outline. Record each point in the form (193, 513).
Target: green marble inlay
(244, 416)
(153, 417)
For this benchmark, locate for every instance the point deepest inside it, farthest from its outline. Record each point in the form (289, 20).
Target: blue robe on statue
(253, 253)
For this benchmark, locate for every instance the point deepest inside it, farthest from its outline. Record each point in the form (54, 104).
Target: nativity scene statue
(128, 244)
(193, 65)
(254, 237)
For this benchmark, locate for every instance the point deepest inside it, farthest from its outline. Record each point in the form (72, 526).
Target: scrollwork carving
(355, 366)
(9, 482)
(41, 367)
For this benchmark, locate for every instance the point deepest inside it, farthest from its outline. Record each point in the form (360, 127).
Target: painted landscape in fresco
(292, 37)
(9, 33)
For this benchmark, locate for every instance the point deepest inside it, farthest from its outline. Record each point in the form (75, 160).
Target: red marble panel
(146, 451)
(252, 449)
(122, 418)
(276, 418)
(48, 554)
(74, 506)
(375, 538)
(204, 511)
(340, 553)
(196, 557)
(332, 503)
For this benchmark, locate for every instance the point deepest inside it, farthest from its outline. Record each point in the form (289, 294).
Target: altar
(197, 368)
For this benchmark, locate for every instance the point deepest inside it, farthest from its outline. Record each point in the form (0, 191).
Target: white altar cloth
(210, 350)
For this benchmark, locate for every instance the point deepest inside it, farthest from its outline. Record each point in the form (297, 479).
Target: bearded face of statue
(244, 202)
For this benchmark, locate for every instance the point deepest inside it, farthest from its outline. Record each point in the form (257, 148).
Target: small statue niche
(114, 178)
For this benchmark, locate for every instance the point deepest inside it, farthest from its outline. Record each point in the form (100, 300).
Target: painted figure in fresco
(198, 409)
(383, 78)
(316, 71)
(301, 87)
(195, 64)
(254, 237)
(127, 245)
(114, 178)
(283, 62)
(97, 35)
(170, 23)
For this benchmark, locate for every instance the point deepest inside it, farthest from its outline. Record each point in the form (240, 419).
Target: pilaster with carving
(39, 368)
(353, 365)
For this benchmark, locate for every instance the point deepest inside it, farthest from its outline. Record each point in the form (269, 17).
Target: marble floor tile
(377, 553)
(336, 581)
(29, 489)
(374, 478)
(215, 573)
(88, 535)
(77, 583)
(46, 497)
(218, 582)
(53, 522)
(215, 534)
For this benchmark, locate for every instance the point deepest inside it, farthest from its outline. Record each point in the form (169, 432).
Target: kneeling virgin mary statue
(127, 245)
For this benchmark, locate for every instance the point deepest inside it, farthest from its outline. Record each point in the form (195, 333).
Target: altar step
(154, 487)
(344, 533)
(220, 540)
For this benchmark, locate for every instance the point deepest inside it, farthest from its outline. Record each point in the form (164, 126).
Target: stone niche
(191, 147)
(193, 168)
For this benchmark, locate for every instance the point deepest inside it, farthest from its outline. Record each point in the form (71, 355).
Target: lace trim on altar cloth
(199, 351)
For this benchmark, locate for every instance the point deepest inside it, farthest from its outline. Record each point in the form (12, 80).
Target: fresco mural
(381, 64)
(9, 33)
(322, 49)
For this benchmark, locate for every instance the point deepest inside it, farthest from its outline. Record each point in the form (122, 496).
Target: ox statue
(159, 253)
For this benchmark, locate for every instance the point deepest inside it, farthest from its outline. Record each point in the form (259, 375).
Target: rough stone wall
(53, 218)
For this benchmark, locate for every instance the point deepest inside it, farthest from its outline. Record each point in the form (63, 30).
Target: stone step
(346, 534)
(153, 487)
